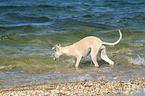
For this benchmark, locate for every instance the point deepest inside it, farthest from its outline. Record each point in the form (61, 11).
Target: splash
(139, 60)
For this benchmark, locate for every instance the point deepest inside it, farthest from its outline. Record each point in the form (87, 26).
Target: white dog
(84, 47)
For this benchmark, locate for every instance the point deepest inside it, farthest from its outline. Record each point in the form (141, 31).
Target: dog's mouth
(54, 58)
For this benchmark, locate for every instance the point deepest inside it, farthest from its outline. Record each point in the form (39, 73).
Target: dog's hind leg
(94, 53)
(104, 55)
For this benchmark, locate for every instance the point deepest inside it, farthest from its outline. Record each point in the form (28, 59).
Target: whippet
(88, 45)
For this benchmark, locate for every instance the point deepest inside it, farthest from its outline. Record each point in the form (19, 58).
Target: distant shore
(132, 86)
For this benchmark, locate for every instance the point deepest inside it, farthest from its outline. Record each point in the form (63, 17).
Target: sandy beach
(117, 86)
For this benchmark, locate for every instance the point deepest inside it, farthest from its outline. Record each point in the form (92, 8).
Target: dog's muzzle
(54, 58)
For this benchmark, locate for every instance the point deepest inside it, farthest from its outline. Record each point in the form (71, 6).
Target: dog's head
(57, 52)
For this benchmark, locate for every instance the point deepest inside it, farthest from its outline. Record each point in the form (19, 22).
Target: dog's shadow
(88, 63)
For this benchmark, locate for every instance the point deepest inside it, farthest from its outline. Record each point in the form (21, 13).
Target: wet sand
(117, 86)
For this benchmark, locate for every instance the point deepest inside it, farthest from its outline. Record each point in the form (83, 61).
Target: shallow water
(28, 31)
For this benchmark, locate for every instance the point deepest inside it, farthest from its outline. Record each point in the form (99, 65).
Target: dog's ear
(53, 48)
(56, 48)
(58, 45)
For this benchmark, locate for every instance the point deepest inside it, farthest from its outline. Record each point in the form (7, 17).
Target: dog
(88, 45)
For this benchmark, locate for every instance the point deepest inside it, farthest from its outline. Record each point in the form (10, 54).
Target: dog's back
(87, 43)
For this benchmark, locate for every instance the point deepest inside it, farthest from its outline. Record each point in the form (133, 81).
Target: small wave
(139, 60)
(13, 6)
(46, 6)
(23, 6)
(13, 26)
(23, 18)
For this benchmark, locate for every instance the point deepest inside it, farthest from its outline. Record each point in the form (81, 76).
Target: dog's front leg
(78, 61)
(73, 59)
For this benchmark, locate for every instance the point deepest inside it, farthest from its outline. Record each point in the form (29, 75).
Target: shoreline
(116, 86)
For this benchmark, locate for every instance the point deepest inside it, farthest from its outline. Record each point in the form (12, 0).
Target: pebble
(126, 92)
(86, 88)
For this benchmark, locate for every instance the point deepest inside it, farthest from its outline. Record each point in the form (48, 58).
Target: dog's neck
(65, 50)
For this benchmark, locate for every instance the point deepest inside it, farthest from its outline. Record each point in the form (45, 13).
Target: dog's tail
(116, 41)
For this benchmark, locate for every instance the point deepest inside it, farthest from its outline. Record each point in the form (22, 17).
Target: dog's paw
(96, 66)
(112, 63)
